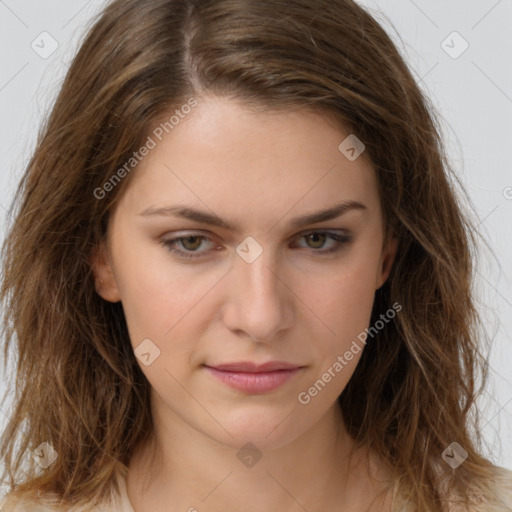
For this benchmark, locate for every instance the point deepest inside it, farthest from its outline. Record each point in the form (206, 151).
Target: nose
(259, 303)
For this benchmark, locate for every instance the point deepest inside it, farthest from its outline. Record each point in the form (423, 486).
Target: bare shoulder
(501, 499)
(503, 490)
(34, 502)
(14, 503)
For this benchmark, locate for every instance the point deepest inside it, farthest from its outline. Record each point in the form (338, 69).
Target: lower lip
(260, 382)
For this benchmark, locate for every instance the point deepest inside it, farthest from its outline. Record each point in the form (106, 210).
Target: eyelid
(342, 237)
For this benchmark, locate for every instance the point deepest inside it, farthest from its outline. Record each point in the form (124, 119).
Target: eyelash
(341, 240)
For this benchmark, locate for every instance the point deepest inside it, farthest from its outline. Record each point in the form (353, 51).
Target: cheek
(345, 307)
(345, 302)
(157, 294)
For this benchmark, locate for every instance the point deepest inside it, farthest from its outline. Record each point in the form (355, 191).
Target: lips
(250, 367)
(253, 378)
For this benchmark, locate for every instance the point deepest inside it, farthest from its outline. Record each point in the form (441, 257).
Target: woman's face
(219, 271)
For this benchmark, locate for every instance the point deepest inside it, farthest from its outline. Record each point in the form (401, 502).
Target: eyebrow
(210, 218)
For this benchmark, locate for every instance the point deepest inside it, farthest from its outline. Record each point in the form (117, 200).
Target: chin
(266, 429)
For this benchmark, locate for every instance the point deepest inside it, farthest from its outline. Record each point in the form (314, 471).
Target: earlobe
(104, 280)
(387, 260)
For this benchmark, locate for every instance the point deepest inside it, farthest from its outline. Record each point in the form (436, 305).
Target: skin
(257, 170)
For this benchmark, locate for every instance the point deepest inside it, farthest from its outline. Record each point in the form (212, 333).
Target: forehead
(232, 159)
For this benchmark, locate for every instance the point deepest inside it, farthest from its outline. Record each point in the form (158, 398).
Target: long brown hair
(78, 385)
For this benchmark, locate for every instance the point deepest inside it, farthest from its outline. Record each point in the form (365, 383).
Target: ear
(387, 258)
(104, 280)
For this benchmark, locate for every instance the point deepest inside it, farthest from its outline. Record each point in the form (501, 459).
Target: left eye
(191, 243)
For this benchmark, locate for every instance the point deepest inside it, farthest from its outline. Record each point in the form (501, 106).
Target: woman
(239, 275)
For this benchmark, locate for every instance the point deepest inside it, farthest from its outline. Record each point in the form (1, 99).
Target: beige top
(122, 503)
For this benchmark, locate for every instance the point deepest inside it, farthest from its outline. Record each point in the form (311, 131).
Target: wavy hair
(77, 383)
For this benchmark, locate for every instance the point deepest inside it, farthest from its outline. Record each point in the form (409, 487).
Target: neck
(184, 469)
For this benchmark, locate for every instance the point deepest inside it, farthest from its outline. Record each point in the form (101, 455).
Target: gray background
(472, 91)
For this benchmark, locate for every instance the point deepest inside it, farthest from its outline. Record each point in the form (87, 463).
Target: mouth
(252, 378)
